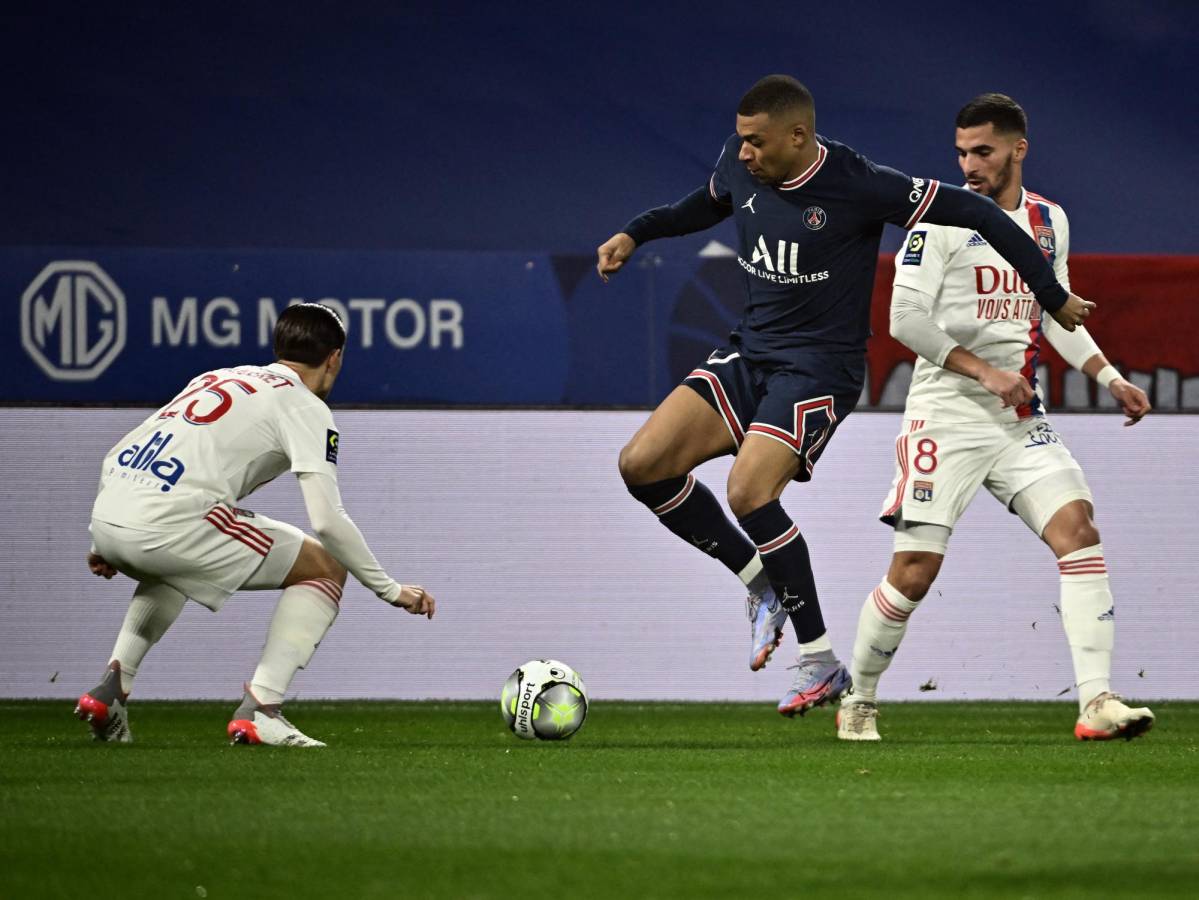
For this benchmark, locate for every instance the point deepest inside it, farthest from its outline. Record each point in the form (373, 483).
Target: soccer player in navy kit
(809, 214)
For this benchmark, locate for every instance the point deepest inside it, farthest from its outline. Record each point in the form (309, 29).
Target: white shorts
(940, 466)
(226, 550)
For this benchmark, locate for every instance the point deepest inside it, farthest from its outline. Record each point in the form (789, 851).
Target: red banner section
(1146, 323)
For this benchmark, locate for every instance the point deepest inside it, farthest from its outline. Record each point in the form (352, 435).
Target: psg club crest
(922, 491)
(814, 218)
(1044, 236)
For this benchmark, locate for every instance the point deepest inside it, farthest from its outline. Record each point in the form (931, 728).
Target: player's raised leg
(306, 610)
(683, 432)
(1088, 609)
(764, 467)
(154, 608)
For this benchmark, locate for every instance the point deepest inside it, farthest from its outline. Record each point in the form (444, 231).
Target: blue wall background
(544, 127)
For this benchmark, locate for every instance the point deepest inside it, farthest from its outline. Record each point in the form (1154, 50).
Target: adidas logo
(1109, 615)
(976, 240)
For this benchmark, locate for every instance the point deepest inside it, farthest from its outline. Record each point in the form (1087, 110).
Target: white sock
(153, 609)
(821, 645)
(1088, 617)
(753, 576)
(304, 614)
(881, 627)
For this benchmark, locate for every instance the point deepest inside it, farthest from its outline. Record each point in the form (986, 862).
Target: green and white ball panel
(508, 698)
(544, 699)
(562, 709)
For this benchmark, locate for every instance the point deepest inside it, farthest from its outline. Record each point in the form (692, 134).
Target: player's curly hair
(1004, 113)
(307, 333)
(776, 95)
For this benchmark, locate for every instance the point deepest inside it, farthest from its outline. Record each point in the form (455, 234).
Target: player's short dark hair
(776, 95)
(307, 333)
(1004, 113)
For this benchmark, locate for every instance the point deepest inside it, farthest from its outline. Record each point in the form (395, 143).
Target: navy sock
(691, 511)
(785, 559)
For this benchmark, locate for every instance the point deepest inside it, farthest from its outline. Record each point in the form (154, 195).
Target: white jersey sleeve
(341, 537)
(309, 438)
(921, 262)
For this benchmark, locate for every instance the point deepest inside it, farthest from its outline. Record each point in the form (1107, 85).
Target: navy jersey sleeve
(699, 210)
(904, 201)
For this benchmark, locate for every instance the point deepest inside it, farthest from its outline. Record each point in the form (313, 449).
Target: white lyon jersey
(230, 431)
(983, 305)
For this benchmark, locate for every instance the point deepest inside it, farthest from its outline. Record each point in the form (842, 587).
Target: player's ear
(800, 133)
(334, 360)
(1020, 150)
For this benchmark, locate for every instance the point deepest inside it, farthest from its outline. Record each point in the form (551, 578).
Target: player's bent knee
(639, 465)
(314, 561)
(744, 496)
(912, 574)
(1071, 528)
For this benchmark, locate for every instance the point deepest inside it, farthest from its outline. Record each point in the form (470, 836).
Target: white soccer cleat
(1106, 717)
(254, 723)
(858, 722)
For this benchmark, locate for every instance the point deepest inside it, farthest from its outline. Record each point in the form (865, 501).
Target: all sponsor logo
(814, 218)
(73, 320)
(922, 491)
(913, 251)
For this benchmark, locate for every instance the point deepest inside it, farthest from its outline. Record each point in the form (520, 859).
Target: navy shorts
(799, 403)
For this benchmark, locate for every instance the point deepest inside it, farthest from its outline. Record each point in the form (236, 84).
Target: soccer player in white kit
(974, 417)
(166, 516)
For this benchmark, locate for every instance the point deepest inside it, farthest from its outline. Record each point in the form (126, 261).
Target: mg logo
(73, 320)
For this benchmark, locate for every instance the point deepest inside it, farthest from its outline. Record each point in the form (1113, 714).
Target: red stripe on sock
(326, 587)
(886, 609)
(785, 538)
(678, 499)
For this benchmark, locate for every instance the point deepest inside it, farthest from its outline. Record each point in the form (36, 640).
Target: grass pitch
(648, 800)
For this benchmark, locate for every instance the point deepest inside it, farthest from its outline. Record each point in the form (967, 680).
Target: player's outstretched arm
(613, 253)
(1073, 313)
(1079, 349)
(965, 209)
(1133, 401)
(695, 212)
(341, 537)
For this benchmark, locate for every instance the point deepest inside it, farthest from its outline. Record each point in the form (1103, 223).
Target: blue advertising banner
(131, 325)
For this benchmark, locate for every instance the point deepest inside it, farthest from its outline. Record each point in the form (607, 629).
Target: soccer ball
(544, 700)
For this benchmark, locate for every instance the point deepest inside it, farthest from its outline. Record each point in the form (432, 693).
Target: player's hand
(1010, 387)
(1131, 398)
(99, 565)
(416, 600)
(612, 254)
(1073, 312)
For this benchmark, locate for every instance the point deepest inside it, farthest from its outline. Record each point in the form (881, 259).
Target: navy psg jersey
(809, 246)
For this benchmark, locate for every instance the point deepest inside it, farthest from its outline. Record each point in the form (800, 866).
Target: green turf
(689, 800)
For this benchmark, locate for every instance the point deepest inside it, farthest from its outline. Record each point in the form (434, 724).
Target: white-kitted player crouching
(166, 516)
